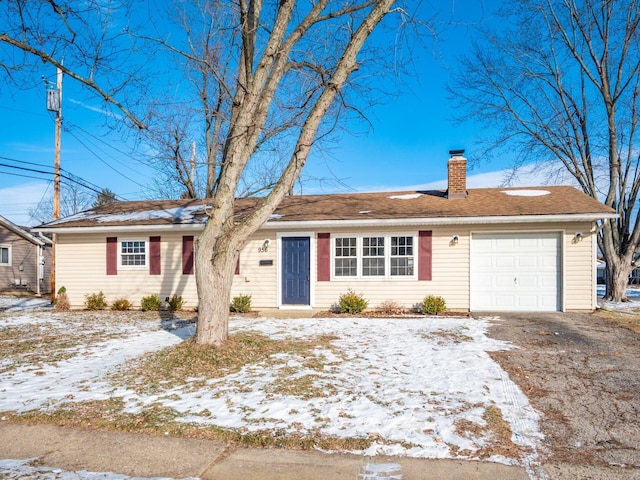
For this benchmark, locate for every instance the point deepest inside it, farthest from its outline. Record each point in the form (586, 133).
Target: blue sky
(405, 148)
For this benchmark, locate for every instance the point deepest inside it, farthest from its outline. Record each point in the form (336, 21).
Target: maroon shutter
(154, 255)
(424, 255)
(324, 257)
(237, 272)
(112, 255)
(187, 255)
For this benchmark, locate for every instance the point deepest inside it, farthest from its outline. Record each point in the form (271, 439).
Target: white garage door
(515, 272)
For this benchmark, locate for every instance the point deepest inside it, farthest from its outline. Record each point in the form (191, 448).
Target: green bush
(352, 302)
(175, 303)
(432, 305)
(241, 304)
(150, 303)
(95, 301)
(121, 304)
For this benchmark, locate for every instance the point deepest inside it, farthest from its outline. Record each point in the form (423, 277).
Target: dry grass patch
(107, 415)
(34, 345)
(444, 337)
(495, 428)
(627, 319)
(187, 361)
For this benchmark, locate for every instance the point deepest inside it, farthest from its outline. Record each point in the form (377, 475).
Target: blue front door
(295, 270)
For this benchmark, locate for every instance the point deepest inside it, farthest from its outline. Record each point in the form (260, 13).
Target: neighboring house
(488, 249)
(25, 259)
(634, 276)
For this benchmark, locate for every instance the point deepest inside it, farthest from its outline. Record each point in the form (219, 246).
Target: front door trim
(312, 269)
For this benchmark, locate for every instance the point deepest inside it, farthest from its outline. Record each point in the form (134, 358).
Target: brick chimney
(457, 175)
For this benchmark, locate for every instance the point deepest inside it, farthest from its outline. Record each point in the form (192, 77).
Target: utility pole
(54, 104)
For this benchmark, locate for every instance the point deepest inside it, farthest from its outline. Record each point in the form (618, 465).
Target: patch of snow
(8, 302)
(20, 469)
(184, 214)
(526, 193)
(275, 216)
(633, 295)
(364, 211)
(400, 380)
(407, 196)
(381, 471)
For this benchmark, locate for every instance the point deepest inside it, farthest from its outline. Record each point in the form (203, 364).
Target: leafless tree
(73, 199)
(560, 82)
(270, 78)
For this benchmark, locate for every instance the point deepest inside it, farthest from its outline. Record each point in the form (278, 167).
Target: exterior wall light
(454, 240)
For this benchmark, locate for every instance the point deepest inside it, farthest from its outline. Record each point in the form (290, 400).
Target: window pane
(401, 256)
(346, 267)
(345, 262)
(133, 253)
(372, 267)
(373, 256)
(4, 255)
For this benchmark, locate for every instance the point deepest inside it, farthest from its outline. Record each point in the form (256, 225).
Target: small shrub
(390, 307)
(150, 303)
(121, 304)
(95, 301)
(352, 302)
(432, 305)
(241, 304)
(62, 303)
(175, 303)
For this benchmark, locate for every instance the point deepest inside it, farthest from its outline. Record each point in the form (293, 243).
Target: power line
(49, 173)
(71, 176)
(98, 157)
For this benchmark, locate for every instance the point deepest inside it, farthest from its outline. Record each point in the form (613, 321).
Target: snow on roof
(526, 193)
(183, 214)
(406, 196)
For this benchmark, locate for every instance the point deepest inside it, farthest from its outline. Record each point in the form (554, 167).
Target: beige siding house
(25, 260)
(493, 249)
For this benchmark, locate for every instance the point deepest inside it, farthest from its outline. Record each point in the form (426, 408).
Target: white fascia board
(324, 224)
(402, 222)
(189, 227)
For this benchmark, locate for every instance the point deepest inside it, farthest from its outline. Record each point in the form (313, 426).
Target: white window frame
(387, 257)
(8, 263)
(145, 241)
(412, 256)
(335, 257)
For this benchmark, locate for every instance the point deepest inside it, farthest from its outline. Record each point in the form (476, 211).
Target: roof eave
(437, 221)
(23, 233)
(369, 222)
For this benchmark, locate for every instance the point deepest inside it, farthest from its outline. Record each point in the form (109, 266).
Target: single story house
(25, 259)
(486, 249)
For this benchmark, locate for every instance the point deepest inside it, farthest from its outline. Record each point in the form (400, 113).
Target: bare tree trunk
(617, 278)
(216, 258)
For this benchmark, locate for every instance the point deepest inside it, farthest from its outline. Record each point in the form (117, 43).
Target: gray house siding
(21, 273)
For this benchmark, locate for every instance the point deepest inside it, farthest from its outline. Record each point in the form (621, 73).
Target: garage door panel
(527, 302)
(503, 302)
(504, 243)
(528, 261)
(515, 271)
(505, 262)
(528, 281)
(501, 282)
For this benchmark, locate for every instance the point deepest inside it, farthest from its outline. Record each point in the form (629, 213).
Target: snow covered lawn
(420, 387)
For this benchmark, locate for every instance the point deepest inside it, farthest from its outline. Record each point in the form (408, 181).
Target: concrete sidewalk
(136, 455)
